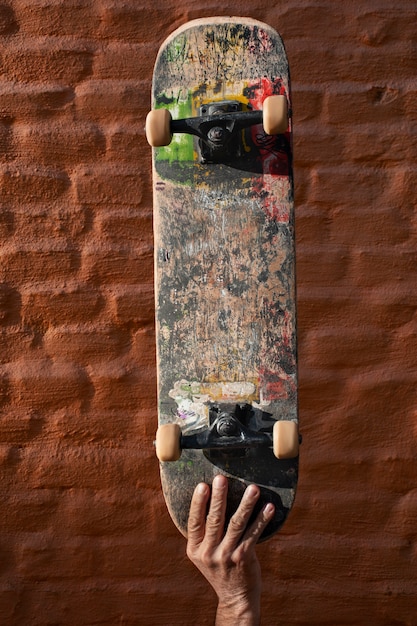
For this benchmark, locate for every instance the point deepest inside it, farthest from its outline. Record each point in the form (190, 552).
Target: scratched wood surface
(224, 261)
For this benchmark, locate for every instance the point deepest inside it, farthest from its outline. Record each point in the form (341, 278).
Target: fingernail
(201, 489)
(269, 509)
(252, 491)
(219, 482)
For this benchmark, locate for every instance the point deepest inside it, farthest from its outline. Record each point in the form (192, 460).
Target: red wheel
(285, 439)
(168, 437)
(275, 115)
(158, 127)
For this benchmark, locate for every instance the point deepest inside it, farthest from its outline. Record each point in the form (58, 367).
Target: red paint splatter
(274, 151)
(278, 211)
(276, 386)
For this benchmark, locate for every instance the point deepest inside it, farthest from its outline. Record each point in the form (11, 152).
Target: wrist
(238, 611)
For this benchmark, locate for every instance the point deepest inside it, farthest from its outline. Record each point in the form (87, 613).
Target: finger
(217, 511)
(239, 520)
(256, 529)
(197, 515)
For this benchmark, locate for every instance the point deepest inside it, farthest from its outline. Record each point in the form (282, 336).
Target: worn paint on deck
(224, 257)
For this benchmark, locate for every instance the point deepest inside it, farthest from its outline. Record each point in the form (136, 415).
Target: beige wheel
(285, 439)
(158, 127)
(275, 115)
(168, 437)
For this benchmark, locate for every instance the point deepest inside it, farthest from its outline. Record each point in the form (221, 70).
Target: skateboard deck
(225, 265)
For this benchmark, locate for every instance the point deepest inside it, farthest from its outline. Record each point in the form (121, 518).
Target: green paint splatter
(176, 51)
(183, 466)
(181, 148)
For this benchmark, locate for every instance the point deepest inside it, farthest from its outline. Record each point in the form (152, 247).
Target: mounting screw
(226, 425)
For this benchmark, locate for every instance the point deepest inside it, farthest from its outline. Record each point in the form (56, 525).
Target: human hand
(228, 559)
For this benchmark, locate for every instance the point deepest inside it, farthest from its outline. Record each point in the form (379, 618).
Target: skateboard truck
(227, 434)
(217, 126)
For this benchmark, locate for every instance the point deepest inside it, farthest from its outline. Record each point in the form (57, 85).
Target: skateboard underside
(224, 264)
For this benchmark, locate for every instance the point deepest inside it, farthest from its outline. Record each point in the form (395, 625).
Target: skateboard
(220, 127)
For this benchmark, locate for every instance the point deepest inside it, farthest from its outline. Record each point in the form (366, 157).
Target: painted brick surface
(84, 534)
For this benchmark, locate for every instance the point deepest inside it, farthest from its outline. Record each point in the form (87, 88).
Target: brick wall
(84, 534)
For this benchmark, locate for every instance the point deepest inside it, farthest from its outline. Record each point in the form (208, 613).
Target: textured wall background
(84, 535)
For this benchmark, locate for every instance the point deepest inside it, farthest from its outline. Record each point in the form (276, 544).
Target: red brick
(129, 24)
(404, 516)
(126, 601)
(144, 346)
(382, 25)
(29, 101)
(7, 223)
(133, 305)
(54, 18)
(45, 557)
(17, 341)
(410, 104)
(92, 425)
(361, 227)
(40, 384)
(6, 139)
(106, 513)
(109, 185)
(107, 98)
(9, 305)
(394, 147)
(4, 388)
(66, 222)
(371, 267)
(312, 147)
(392, 603)
(86, 343)
(383, 308)
(404, 349)
(313, 225)
(31, 511)
(57, 465)
(51, 59)
(118, 386)
(127, 143)
(122, 61)
(307, 105)
(113, 264)
(59, 144)
(321, 61)
(371, 104)
(8, 23)
(33, 184)
(120, 225)
(56, 304)
(349, 186)
(10, 599)
(25, 264)
(379, 394)
(322, 265)
(350, 347)
(403, 184)
(319, 393)
(294, 21)
(18, 427)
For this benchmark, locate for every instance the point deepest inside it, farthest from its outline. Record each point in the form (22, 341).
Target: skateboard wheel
(285, 439)
(167, 442)
(158, 127)
(275, 115)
